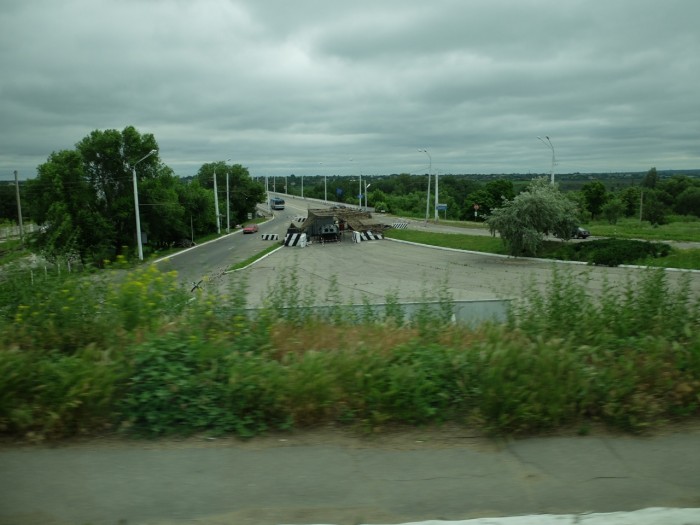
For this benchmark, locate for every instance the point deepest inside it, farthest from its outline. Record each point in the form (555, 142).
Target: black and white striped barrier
(299, 219)
(400, 225)
(295, 239)
(366, 236)
(270, 237)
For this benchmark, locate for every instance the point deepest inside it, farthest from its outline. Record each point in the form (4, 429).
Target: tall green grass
(154, 360)
(678, 229)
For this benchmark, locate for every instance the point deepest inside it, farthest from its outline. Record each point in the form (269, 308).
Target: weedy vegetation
(135, 353)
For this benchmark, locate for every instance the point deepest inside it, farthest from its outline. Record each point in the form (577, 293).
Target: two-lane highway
(211, 259)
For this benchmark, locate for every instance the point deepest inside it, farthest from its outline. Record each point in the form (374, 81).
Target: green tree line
(653, 200)
(83, 198)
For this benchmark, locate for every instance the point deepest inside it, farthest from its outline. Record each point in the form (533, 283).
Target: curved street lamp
(136, 203)
(427, 200)
(549, 144)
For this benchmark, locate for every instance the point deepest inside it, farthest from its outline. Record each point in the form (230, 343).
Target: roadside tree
(595, 195)
(688, 202)
(244, 193)
(524, 221)
(612, 210)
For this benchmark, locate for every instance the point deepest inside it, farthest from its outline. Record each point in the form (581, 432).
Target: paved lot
(327, 477)
(376, 269)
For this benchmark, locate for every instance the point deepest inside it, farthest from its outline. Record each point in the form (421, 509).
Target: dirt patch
(388, 438)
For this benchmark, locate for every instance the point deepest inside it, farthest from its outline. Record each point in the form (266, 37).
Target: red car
(250, 228)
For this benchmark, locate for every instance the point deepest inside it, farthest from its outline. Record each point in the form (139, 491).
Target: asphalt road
(209, 260)
(371, 271)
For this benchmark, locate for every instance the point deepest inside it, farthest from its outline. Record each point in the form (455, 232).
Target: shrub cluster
(612, 252)
(629, 357)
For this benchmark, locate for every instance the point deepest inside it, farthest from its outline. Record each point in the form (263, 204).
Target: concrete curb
(650, 516)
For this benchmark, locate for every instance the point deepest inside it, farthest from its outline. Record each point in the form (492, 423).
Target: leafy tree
(198, 207)
(653, 209)
(108, 157)
(8, 201)
(244, 193)
(85, 198)
(612, 210)
(630, 198)
(650, 179)
(484, 199)
(676, 185)
(524, 221)
(595, 195)
(161, 211)
(500, 190)
(688, 202)
(65, 203)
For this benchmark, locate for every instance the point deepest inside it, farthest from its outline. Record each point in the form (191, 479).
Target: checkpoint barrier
(295, 239)
(270, 237)
(366, 236)
(400, 225)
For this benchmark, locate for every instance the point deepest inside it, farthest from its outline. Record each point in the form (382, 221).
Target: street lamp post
(427, 200)
(366, 186)
(228, 203)
(136, 203)
(549, 144)
(360, 195)
(325, 184)
(19, 210)
(216, 204)
(436, 194)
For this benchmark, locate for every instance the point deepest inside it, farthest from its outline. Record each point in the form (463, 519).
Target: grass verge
(259, 255)
(458, 241)
(676, 258)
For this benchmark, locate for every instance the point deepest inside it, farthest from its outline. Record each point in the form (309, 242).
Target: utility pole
(228, 203)
(19, 210)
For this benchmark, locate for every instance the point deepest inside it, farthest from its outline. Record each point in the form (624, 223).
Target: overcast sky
(329, 87)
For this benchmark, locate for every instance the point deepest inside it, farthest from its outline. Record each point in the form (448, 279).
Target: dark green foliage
(628, 355)
(595, 195)
(56, 395)
(524, 221)
(688, 202)
(244, 193)
(612, 252)
(172, 389)
(651, 179)
(613, 210)
(653, 208)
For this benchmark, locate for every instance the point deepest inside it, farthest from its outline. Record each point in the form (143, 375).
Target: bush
(612, 252)
(170, 390)
(55, 395)
(628, 356)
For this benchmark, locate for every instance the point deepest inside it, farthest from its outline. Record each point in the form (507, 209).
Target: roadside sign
(441, 207)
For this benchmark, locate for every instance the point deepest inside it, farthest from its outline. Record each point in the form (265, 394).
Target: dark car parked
(580, 233)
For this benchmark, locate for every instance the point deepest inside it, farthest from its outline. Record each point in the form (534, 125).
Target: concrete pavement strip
(304, 479)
